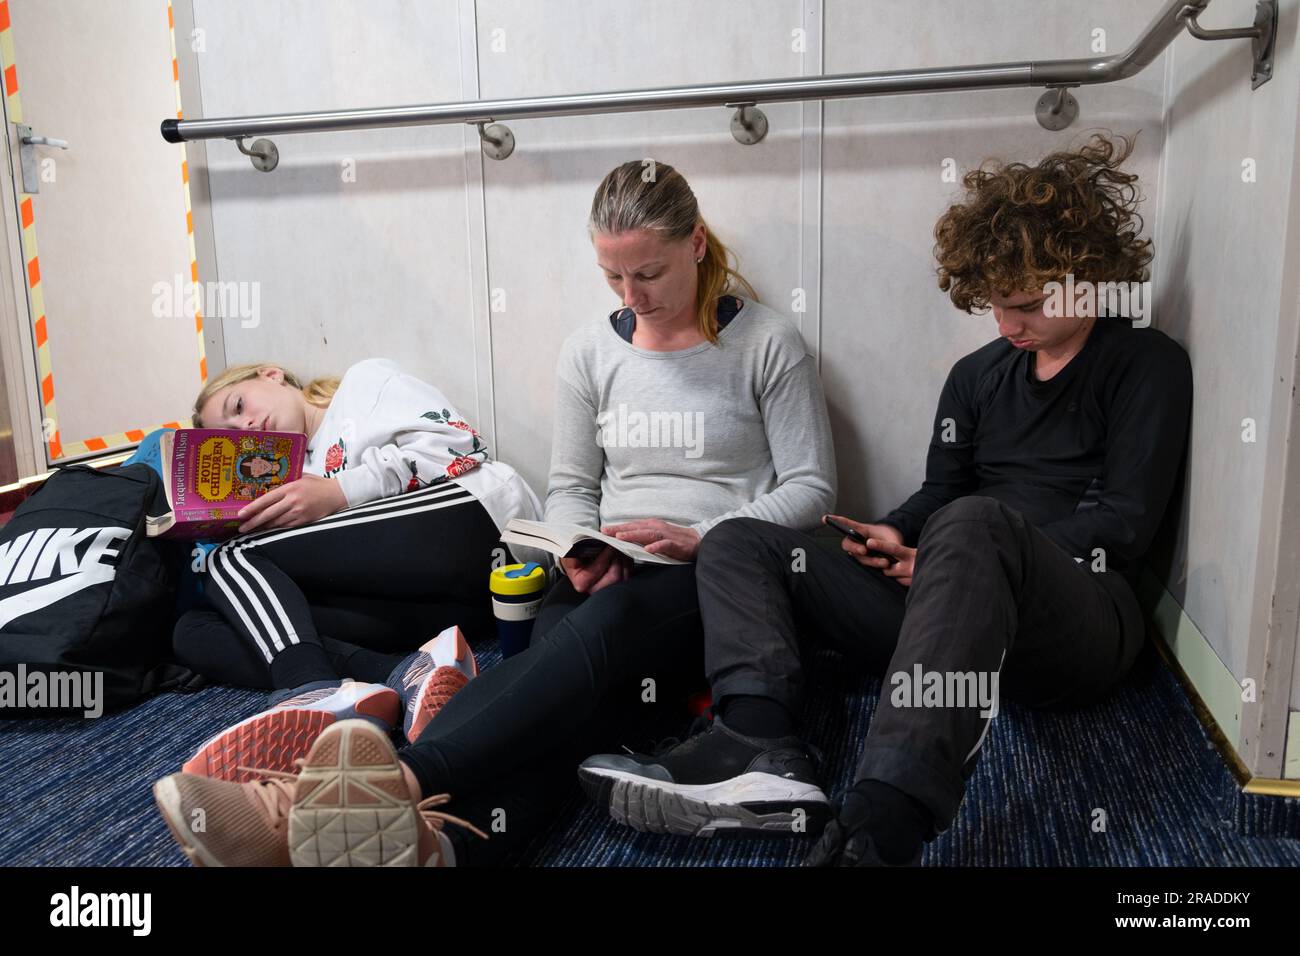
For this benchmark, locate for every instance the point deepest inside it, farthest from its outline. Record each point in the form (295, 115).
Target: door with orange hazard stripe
(105, 292)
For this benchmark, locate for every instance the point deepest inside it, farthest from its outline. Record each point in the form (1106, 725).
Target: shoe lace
(438, 819)
(698, 726)
(275, 789)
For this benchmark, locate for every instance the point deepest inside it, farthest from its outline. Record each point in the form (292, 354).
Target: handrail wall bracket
(1262, 34)
(496, 139)
(748, 123)
(264, 155)
(1056, 108)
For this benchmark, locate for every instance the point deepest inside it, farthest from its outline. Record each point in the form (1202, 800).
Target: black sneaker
(717, 780)
(840, 847)
(848, 840)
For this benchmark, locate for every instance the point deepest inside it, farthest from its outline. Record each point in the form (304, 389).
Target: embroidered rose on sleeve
(336, 458)
(461, 465)
(477, 454)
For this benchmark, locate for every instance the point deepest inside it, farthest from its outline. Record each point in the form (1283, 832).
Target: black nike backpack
(83, 590)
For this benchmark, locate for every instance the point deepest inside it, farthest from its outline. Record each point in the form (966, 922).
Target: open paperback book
(209, 474)
(561, 540)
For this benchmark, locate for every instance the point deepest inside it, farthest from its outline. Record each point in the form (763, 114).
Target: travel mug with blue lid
(517, 592)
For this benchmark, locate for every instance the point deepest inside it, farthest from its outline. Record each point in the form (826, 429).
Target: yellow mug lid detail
(518, 578)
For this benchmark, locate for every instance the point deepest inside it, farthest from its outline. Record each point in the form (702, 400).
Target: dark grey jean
(990, 595)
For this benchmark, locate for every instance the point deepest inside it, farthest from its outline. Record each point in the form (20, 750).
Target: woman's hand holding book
(605, 568)
(658, 537)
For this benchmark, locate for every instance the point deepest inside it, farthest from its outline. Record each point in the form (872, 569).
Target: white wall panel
(378, 266)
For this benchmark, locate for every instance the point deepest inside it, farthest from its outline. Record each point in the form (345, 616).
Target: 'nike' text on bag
(82, 588)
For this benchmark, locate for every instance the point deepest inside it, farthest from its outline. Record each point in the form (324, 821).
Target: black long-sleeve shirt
(1089, 456)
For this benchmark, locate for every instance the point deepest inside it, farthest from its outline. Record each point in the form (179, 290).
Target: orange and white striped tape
(10, 71)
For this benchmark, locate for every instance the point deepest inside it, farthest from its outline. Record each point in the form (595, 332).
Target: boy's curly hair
(1021, 226)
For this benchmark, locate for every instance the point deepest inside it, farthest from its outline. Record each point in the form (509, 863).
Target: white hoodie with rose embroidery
(386, 432)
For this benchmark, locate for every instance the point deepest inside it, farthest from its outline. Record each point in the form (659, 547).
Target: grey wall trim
(811, 180)
(1271, 651)
(476, 236)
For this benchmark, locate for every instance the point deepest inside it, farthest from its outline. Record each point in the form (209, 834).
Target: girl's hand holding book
(292, 505)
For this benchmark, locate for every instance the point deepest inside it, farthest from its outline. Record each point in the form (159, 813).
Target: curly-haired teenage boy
(1052, 457)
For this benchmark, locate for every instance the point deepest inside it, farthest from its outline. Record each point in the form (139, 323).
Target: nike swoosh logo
(47, 594)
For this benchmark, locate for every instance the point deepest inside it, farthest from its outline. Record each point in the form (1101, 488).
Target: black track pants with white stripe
(434, 544)
(380, 635)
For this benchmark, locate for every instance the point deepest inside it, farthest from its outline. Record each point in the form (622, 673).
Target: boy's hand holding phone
(877, 546)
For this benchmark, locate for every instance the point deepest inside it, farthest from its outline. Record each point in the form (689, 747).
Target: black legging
(511, 740)
(385, 576)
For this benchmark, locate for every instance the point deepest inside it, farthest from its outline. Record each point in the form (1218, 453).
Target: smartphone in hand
(852, 533)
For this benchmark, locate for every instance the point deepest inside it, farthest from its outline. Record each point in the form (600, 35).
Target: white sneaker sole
(351, 806)
(752, 801)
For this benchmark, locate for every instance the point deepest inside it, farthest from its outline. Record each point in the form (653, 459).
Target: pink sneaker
(219, 823)
(433, 675)
(275, 738)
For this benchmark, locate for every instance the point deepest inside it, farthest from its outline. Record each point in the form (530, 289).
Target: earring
(699, 260)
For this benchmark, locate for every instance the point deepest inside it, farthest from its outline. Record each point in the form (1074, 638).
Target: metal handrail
(1060, 74)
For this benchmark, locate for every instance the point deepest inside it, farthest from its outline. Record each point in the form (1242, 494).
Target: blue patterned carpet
(77, 792)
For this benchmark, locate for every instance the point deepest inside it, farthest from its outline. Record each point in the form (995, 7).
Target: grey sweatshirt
(692, 436)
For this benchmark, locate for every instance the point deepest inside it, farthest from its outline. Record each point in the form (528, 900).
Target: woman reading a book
(399, 507)
(691, 404)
